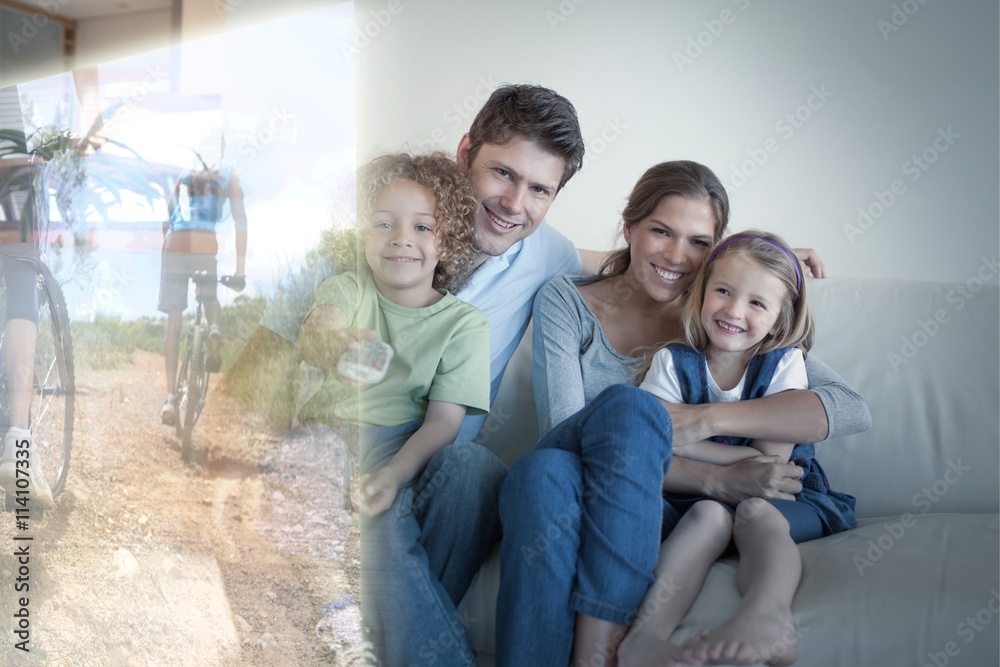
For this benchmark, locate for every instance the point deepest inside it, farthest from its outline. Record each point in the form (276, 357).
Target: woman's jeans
(419, 556)
(581, 520)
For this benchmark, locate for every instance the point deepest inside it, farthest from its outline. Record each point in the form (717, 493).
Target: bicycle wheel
(191, 389)
(4, 405)
(53, 403)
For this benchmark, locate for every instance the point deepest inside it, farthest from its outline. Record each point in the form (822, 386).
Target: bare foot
(745, 639)
(644, 649)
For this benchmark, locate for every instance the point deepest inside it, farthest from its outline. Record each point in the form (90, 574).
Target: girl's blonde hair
(455, 206)
(794, 326)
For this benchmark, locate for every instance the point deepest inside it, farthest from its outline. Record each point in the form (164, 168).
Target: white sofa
(917, 582)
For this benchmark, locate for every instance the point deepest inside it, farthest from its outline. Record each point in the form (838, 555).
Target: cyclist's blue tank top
(202, 196)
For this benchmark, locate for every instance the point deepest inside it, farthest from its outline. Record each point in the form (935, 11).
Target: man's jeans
(581, 520)
(419, 556)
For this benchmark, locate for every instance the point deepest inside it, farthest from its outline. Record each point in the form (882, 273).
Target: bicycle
(192, 378)
(52, 407)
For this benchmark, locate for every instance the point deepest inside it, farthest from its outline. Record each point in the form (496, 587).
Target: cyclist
(20, 332)
(196, 207)
(18, 264)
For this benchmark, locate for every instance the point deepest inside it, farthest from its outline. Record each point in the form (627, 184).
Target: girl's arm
(759, 477)
(723, 454)
(783, 450)
(556, 374)
(442, 423)
(719, 453)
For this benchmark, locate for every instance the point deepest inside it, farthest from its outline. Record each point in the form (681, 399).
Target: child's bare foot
(746, 639)
(645, 649)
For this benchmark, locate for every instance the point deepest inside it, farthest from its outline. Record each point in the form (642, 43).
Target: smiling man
(522, 148)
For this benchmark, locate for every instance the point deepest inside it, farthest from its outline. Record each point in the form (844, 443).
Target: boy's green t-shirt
(442, 353)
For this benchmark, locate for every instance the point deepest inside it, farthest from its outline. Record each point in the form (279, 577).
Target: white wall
(424, 68)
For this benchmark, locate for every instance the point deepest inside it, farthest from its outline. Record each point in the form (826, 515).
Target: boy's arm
(592, 259)
(442, 423)
(440, 428)
(325, 336)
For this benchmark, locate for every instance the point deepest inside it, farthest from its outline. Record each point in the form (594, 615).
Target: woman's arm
(442, 423)
(555, 357)
(846, 412)
(828, 409)
(758, 477)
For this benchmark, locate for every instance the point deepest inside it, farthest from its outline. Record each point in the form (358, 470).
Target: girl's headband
(792, 258)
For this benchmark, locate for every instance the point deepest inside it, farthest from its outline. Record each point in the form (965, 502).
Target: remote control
(366, 362)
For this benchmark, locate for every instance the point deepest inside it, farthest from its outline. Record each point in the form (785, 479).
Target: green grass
(109, 342)
(260, 369)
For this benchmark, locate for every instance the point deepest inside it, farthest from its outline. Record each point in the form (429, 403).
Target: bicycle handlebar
(232, 282)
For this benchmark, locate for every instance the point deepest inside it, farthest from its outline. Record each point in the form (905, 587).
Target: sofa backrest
(924, 356)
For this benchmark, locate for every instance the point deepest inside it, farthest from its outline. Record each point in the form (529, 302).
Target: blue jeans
(419, 556)
(581, 519)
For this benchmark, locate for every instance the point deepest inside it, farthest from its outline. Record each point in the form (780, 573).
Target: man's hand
(593, 259)
(765, 477)
(378, 491)
(812, 265)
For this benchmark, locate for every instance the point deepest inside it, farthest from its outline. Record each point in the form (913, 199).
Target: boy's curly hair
(455, 206)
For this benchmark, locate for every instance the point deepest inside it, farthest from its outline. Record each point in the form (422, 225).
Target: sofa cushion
(931, 579)
(926, 361)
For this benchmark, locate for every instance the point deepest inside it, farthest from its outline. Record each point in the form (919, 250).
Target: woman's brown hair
(680, 178)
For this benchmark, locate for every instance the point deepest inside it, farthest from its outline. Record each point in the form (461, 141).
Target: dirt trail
(148, 561)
